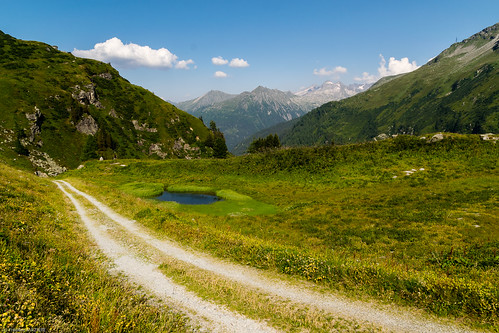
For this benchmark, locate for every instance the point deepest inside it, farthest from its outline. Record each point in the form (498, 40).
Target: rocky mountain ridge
(240, 116)
(317, 95)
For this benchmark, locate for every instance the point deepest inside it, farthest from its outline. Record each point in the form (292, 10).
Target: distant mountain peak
(210, 98)
(328, 91)
(260, 89)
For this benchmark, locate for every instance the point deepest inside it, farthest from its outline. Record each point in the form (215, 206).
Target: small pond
(189, 198)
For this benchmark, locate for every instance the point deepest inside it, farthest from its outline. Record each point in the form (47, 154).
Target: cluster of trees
(264, 144)
(216, 140)
(96, 145)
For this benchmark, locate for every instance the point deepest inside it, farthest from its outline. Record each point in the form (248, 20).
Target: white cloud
(395, 66)
(132, 55)
(220, 74)
(184, 64)
(367, 78)
(236, 62)
(325, 72)
(219, 61)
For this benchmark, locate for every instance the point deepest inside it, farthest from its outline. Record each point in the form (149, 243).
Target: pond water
(188, 198)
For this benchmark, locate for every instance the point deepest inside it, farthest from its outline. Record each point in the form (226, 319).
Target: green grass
(346, 217)
(52, 278)
(233, 203)
(143, 190)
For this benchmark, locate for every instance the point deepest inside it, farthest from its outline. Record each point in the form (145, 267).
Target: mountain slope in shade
(250, 112)
(57, 110)
(458, 91)
(240, 116)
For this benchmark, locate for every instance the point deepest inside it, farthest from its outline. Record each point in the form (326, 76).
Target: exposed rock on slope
(87, 125)
(63, 109)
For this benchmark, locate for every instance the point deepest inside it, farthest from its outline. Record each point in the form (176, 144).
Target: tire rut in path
(388, 319)
(147, 275)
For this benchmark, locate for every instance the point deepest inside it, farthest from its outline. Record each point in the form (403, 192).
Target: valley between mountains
(362, 208)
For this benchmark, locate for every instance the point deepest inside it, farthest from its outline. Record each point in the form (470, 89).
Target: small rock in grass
(437, 137)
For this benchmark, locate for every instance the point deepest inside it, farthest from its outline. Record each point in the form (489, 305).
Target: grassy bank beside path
(52, 278)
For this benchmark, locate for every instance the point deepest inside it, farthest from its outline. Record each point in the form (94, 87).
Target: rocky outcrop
(41, 174)
(155, 148)
(437, 137)
(87, 125)
(43, 161)
(143, 127)
(113, 113)
(181, 148)
(106, 76)
(35, 120)
(87, 95)
(381, 136)
(489, 137)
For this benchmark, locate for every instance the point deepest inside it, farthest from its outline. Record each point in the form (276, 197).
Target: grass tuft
(143, 190)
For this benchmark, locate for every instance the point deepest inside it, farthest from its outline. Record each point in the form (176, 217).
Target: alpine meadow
(377, 211)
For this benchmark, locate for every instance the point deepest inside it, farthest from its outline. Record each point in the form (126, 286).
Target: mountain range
(457, 91)
(240, 116)
(57, 110)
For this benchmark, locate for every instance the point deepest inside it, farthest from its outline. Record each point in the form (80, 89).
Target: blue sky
(285, 45)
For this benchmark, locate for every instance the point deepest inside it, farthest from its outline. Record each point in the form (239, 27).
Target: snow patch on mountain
(316, 95)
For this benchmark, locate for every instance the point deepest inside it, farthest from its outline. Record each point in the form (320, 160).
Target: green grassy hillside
(51, 277)
(458, 91)
(57, 110)
(404, 220)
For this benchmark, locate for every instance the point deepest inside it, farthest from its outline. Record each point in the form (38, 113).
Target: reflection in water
(189, 198)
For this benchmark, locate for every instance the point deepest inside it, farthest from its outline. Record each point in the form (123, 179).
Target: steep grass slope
(458, 91)
(57, 110)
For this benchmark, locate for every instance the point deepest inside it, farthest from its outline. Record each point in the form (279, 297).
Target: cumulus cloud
(220, 74)
(132, 55)
(325, 72)
(395, 67)
(219, 61)
(236, 62)
(366, 78)
(184, 64)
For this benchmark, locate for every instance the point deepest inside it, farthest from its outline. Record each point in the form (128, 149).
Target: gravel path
(388, 319)
(147, 275)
